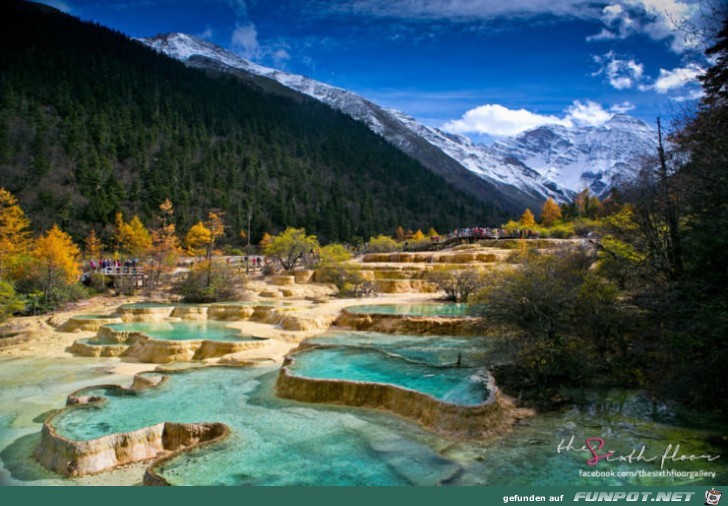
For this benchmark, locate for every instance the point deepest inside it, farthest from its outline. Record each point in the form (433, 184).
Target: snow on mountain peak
(547, 161)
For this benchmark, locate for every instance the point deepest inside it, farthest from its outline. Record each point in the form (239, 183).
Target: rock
(282, 280)
(271, 294)
(304, 277)
(492, 418)
(229, 312)
(416, 325)
(307, 322)
(79, 458)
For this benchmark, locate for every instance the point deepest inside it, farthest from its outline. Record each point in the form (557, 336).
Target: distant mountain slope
(518, 173)
(412, 138)
(92, 123)
(594, 157)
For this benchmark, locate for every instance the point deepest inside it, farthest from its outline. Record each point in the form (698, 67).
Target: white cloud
(622, 108)
(621, 73)
(587, 114)
(658, 19)
(676, 78)
(280, 56)
(245, 41)
(499, 121)
(459, 10)
(603, 35)
(695, 94)
(205, 34)
(496, 120)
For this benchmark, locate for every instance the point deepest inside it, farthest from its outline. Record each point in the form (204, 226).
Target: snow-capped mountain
(594, 157)
(516, 173)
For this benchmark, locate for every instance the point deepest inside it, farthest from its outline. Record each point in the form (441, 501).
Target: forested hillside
(92, 123)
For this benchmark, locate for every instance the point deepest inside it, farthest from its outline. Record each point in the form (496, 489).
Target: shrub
(98, 282)
(459, 285)
(224, 283)
(10, 302)
(382, 244)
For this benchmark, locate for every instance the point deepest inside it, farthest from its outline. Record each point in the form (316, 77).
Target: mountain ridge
(93, 123)
(508, 171)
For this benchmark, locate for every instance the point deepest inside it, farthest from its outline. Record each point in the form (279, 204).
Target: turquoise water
(429, 309)
(183, 330)
(148, 305)
(274, 442)
(253, 303)
(31, 389)
(456, 385)
(95, 341)
(280, 442)
(434, 350)
(94, 317)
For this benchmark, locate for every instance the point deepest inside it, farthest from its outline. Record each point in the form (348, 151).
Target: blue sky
(484, 68)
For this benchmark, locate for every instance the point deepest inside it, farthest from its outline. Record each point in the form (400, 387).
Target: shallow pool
(281, 442)
(148, 305)
(274, 442)
(456, 385)
(183, 330)
(428, 309)
(96, 317)
(31, 389)
(262, 303)
(434, 350)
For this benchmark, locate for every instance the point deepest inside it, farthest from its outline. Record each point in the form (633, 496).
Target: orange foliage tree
(93, 245)
(550, 212)
(527, 220)
(15, 238)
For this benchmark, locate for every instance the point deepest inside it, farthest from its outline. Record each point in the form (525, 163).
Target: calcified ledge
(159, 351)
(158, 443)
(405, 324)
(487, 420)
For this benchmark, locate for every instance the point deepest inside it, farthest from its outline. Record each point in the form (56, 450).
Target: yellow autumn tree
(527, 220)
(399, 234)
(132, 238)
(432, 232)
(550, 212)
(587, 205)
(93, 245)
(138, 238)
(15, 241)
(265, 241)
(197, 239)
(56, 259)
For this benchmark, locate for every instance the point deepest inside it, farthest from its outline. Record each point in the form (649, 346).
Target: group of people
(473, 232)
(115, 266)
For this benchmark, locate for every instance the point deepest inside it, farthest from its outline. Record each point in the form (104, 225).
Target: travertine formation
(493, 417)
(78, 458)
(84, 323)
(113, 343)
(157, 351)
(403, 324)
